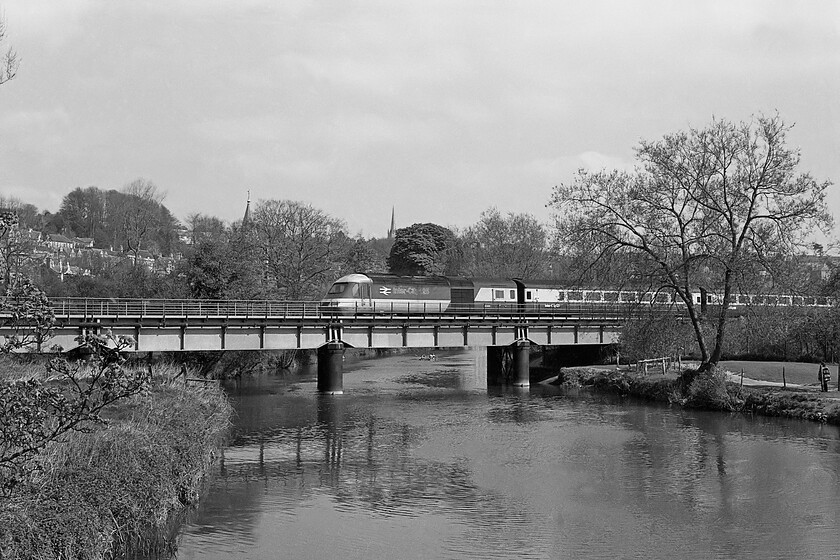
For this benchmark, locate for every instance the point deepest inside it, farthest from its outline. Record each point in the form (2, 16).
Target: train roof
(493, 283)
(394, 278)
(354, 278)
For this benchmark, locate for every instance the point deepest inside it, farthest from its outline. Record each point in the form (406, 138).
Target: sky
(438, 109)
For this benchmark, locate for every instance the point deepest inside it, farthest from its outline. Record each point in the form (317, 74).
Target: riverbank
(117, 488)
(719, 392)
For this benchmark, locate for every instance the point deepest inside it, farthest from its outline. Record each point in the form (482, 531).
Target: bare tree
(139, 215)
(715, 207)
(9, 62)
(201, 226)
(300, 246)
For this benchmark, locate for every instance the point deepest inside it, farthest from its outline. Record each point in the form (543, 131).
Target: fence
(663, 364)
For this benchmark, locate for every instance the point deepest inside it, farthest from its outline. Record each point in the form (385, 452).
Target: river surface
(419, 459)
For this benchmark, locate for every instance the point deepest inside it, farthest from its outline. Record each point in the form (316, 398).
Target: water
(419, 460)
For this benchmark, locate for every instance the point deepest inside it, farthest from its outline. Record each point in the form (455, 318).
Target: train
(388, 293)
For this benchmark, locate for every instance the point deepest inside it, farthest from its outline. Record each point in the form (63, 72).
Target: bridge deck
(164, 325)
(115, 308)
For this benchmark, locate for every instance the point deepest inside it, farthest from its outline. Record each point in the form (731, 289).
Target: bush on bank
(710, 391)
(116, 488)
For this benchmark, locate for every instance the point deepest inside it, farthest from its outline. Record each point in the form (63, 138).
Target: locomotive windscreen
(343, 289)
(337, 288)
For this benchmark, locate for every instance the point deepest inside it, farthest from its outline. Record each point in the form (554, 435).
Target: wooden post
(784, 381)
(742, 377)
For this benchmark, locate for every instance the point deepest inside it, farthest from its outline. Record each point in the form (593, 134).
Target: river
(418, 459)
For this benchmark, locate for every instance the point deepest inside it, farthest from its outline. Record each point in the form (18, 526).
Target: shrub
(116, 488)
(706, 389)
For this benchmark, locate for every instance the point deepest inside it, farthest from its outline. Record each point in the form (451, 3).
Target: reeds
(115, 489)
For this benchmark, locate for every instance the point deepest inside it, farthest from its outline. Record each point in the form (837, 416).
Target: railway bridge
(214, 325)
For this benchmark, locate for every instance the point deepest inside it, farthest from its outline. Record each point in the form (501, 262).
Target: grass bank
(713, 392)
(116, 488)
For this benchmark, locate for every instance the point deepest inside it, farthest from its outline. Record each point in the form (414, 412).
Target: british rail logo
(385, 291)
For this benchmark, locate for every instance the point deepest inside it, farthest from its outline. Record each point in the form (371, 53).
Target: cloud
(43, 198)
(29, 119)
(409, 103)
(241, 130)
(563, 168)
(52, 21)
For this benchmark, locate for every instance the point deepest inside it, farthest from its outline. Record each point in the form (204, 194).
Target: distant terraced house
(59, 242)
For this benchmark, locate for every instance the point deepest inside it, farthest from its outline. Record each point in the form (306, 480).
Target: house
(32, 236)
(164, 265)
(145, 258)
(821, 267)
(58, 242)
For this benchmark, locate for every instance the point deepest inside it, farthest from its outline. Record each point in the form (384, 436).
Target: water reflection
(421, 460)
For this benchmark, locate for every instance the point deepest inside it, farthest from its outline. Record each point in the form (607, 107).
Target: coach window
(355, 292)
(528, 294)
(512, 294)
(498, 294)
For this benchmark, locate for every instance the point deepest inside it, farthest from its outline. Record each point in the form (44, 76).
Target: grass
(115, 489)
(711, 392)
(795, 372)
(21, 368)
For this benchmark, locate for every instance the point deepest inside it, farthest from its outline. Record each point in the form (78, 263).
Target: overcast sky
(439, 109)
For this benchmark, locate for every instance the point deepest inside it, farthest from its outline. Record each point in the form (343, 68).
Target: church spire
(247, 210)
(392, 230)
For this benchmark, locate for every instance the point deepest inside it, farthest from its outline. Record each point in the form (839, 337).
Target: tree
(714, 208)
(425, 249)
(27, 214)
(27, 312)
(83, 211)
(299, 246)
(201, 226)
(512, 246)
(139, 216)
(219, 268)
(15, 247)
(365, 255)
(10, 61)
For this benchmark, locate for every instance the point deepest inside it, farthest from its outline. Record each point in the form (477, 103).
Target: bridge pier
(522, 363)
(509, 365)
(331, 368)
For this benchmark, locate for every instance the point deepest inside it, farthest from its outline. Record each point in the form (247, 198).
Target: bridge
(156, 325)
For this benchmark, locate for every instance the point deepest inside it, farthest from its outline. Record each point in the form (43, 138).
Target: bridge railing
(121, 307)
(173, 308)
